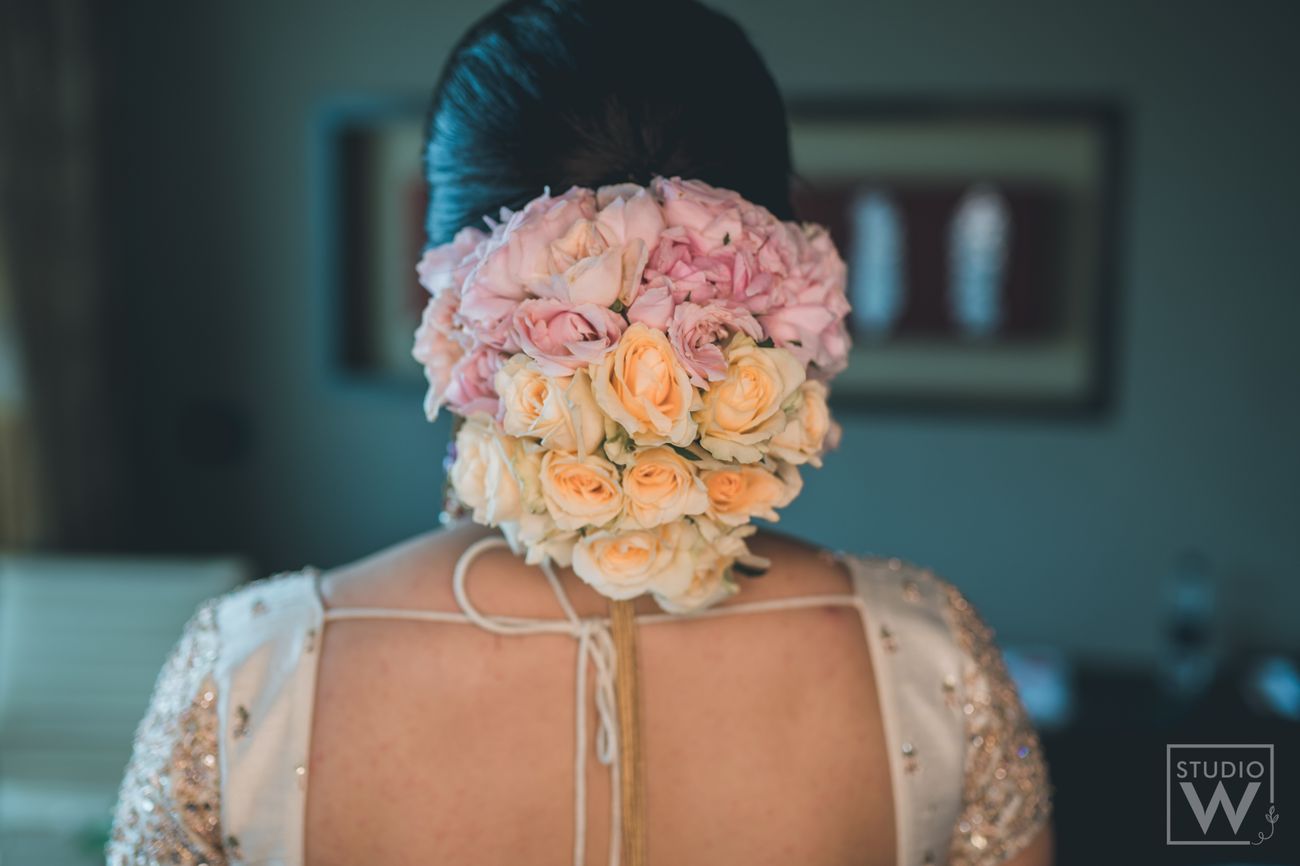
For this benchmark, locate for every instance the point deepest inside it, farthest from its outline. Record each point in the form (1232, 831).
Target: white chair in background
(81, 642)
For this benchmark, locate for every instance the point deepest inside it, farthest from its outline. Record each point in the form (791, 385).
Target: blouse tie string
(595, 652)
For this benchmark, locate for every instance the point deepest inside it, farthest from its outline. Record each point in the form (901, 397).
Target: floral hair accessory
(642, 371)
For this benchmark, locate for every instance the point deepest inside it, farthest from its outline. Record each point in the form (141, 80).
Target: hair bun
(593, 92)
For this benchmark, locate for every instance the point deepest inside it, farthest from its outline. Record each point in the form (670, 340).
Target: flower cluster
(642, 371)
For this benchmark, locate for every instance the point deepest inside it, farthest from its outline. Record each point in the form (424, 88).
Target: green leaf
(769, 343)
(746, 570)
(688, 454)
(726, 239)
(618, 306)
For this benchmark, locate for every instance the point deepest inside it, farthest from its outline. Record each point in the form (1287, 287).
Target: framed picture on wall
(980, 245)
(372, 234)
(979, 238)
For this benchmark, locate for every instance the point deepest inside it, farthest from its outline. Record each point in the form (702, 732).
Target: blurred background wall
(167, 395)
(1064, 531)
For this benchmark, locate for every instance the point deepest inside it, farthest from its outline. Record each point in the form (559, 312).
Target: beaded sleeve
(1006, 797)
(168, 809)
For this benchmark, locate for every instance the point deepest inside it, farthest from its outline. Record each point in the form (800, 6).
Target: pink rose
(811, 332)
(653, 305)
(470, 388)
(444, 268)
(487, 303)
(629, 217)
(564, 248)
(698, 275)
(707, 210)
(531, 233)
(563, 337)
(601, 278)
(713, 217)
(437, 349)
(810, 307)
(698, 334)
(518, 260)
(439, 340)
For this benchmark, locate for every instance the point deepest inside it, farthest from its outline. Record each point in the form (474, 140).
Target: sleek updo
(590, 92)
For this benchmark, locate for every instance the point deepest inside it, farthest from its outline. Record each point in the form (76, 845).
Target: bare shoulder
(417, 574)
(413, 573)
(798, 568)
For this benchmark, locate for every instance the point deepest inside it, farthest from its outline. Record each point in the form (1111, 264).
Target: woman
(640, 364)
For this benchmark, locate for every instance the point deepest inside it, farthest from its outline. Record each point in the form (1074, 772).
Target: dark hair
(590, 92)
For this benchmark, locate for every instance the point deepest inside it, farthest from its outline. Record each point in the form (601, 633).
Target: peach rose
(805, 436)
(747, 408)
(660, 485)
(580, 491)
(623, 565)
(642, 386)
(560, 412)
(738, 493)
(491, 474)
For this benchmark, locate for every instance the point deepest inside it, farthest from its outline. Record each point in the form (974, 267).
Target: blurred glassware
(1191, 645)
(1272, 687)
(878, 278)
(979, 241)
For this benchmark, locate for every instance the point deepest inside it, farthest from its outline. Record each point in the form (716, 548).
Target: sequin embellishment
(910, 761)
(1007, 794)
(168, 809)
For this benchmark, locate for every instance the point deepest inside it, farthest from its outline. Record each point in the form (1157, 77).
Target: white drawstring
(596, 652)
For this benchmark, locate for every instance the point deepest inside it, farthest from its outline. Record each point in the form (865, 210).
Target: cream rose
(710, 584)
(580, 491)
(716, 556)
(536, 536)
(560, 412)
(804, 438)
(624, 565)
(745, 410)
(737, 493)
(642, 386)
(660, 485)
(491, 473)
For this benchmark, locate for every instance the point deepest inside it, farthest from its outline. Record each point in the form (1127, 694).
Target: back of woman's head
(590, 92)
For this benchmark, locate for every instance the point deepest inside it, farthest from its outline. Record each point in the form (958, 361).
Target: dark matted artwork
(979, 243)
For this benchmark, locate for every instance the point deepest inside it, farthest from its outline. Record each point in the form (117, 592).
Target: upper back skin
(442, 743)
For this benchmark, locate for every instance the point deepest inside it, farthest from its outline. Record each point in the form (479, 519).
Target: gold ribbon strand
(627, 693)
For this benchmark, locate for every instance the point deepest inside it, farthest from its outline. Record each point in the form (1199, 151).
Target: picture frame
(369, 207)
(921, 171)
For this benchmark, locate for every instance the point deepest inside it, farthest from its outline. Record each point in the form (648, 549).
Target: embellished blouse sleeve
(1006, 797)
(168, 809)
